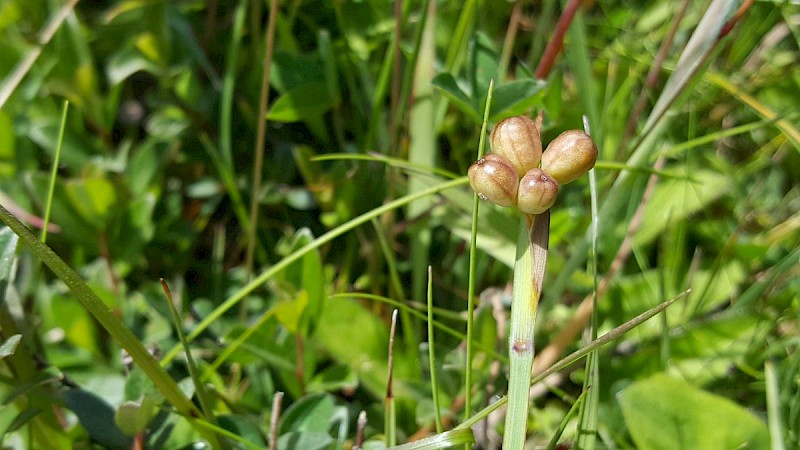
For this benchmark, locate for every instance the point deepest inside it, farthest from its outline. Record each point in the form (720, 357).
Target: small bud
(494, 179)
(569, 156)
(518, 139)
(537, 192)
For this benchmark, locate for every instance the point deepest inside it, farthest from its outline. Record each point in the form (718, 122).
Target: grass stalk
(588, 409)
(556, 42)
(261, 133)
(529, 269)
(390, 414)
(277, 400)
(422, 150)
(202, 395)
(48, 206)
(437, 414)
(775, 421)
(396, 286)
(473, 252)
(508, 42)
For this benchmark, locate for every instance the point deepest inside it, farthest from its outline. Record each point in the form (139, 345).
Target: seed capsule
(518, 139)
(537, 192)
(569, 156)
(494, 179)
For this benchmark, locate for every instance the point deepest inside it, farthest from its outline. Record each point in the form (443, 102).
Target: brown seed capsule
(494, 179)
(537, 192)
(518, 139)
(569, 156)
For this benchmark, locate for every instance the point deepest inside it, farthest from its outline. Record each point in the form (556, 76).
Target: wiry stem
(529, 271)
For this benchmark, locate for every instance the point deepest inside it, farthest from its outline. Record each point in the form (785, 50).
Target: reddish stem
(557, 42)
(735, 18)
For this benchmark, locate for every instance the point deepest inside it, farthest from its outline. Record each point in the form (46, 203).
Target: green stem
(528, 276)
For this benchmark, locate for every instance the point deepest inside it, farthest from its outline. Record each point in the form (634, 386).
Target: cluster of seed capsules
(511, 174)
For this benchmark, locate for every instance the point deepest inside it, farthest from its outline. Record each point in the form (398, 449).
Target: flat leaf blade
(666, 413)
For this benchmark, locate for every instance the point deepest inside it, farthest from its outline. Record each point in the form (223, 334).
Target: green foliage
(368, 138)
(663, 412)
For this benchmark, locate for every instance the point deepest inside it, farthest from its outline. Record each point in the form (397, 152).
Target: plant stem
(529, 270)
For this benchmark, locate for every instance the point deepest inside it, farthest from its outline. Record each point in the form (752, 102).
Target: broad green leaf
(167, 124)
(126, 62)
(485, 62)
(448, 86)
(666, 413)
(138, 386)
(515, 98)
(308, 414)
(9, 346)
(97, 417)
(67, 314)
(290, 70)
(306, 441)
(333, 378)
(132, 417)
(148, 44)
(242, 426)
(94, 199)
(357, 338)
(302, 103)
(675, 199)
(289, 313)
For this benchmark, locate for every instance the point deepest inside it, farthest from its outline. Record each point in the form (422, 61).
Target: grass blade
(110, 322)
(774, 419)
(48, 206)
(473, 251)
(437, 414)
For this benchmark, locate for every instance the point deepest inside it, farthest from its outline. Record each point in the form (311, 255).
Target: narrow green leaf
(447, 439)
(8, 254)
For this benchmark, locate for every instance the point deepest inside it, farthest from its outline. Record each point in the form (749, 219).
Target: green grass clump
(239, 195)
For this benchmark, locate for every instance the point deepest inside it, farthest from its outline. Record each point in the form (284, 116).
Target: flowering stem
(529, 268)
